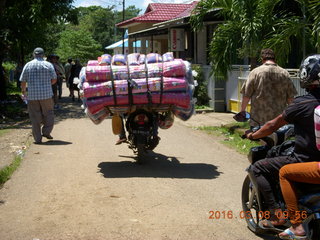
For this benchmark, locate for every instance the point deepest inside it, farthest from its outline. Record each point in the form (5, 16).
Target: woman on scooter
(296, 172)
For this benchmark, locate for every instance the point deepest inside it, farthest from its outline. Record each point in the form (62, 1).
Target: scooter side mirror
(242, 116)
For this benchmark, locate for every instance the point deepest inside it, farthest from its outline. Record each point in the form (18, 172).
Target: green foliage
(250, 25)
(12, 89)
(7, 171)
(201, 91)
(232, 138)
(100, 23)
(78, 44)
(8, 66)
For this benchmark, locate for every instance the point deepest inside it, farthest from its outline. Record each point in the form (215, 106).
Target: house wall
(229, 94)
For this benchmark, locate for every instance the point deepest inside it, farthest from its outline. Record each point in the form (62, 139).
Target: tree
(301, 27)
(250, 25)
(246, 24)
(100, 22)
(23, 25)
(78, 44)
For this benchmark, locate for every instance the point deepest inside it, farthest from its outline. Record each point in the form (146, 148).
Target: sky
(118, 3)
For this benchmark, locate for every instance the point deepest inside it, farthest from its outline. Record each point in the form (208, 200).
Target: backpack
(284, 149)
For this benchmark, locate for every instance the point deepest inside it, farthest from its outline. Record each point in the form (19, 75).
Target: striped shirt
(38, 74)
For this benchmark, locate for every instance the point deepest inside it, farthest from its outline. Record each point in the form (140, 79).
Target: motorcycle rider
(297, 172)
(300, 113)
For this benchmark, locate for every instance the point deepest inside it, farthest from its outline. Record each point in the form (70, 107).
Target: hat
(38, 51)
(53, 55)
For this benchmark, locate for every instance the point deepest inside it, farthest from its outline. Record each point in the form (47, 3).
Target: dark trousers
(59, 82)
(266, 172)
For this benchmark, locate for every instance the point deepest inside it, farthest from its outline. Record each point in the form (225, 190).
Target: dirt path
(81, 186)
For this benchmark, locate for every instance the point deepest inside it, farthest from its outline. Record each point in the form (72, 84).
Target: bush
(201, 91)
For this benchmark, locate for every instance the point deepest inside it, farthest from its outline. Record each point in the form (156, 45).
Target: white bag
(76, 80)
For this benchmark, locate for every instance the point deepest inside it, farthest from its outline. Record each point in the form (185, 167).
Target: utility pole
(123, 30)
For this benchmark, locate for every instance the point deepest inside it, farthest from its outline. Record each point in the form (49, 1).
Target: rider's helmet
(310, 71)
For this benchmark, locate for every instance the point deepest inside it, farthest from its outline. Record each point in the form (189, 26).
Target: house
(165, 27)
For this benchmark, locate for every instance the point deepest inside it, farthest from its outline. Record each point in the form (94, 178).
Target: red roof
(160, 12)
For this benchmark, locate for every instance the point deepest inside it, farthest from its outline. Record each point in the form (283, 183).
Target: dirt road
(81, 186)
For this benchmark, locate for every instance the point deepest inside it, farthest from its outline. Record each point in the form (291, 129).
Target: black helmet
(310, 71)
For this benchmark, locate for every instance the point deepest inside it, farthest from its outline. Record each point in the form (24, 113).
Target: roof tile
(159, 12)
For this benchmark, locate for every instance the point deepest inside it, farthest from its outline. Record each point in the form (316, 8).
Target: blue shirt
(38, 74)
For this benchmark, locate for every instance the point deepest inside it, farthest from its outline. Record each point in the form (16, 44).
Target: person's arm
(23, 88)
(53, 81)
(244, 103)
(289, 100)
(268, 128)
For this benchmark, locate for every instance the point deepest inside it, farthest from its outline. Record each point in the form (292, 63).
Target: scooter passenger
(299, 113)
(289, 174)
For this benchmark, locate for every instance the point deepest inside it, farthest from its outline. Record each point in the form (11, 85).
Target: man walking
(269, 88)
(39, 75)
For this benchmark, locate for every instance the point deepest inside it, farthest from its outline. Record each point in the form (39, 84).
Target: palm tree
(246, 25)
(301, 26)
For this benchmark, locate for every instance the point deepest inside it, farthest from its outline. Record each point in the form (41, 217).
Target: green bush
(8, 66)
(201, 91)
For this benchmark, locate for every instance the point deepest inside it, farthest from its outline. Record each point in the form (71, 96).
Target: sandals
(291, 235)
(121, 140)
(267, 225)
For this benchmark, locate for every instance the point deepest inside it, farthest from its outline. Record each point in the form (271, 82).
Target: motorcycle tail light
(141, 119)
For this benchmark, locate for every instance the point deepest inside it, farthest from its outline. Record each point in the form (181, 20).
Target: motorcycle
(254, 208)
(142, 127)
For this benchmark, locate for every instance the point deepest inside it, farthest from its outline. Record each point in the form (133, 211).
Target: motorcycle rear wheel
(315, 232)
(141, 154)
(250, 206)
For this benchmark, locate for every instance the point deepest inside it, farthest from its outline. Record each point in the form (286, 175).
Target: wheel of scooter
(250, 206)
(314, 229)
(141, 154)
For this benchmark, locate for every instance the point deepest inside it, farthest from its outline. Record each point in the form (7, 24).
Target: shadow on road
(159, 166)
(56, 142)
(69, 109)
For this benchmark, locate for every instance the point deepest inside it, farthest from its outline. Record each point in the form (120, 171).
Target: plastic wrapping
(121, 84)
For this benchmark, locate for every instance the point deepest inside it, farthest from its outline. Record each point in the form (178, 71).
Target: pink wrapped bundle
(120, 72)
(154, 58)
(99, 116)
(178, 99)
(93, 63)
(138, 71)
(168, 56)
(175, 68)
(154, 70)
(119, 60)
(133, 59)
(105, 59)
(183, 113)
(94, 89)
(98, 73)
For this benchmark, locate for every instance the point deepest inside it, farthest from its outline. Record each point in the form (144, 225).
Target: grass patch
(7, 171)
(232, 136)
(3, 132)
(202, 107)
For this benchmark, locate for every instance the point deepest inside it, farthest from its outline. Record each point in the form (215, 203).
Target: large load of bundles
(119, 84)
